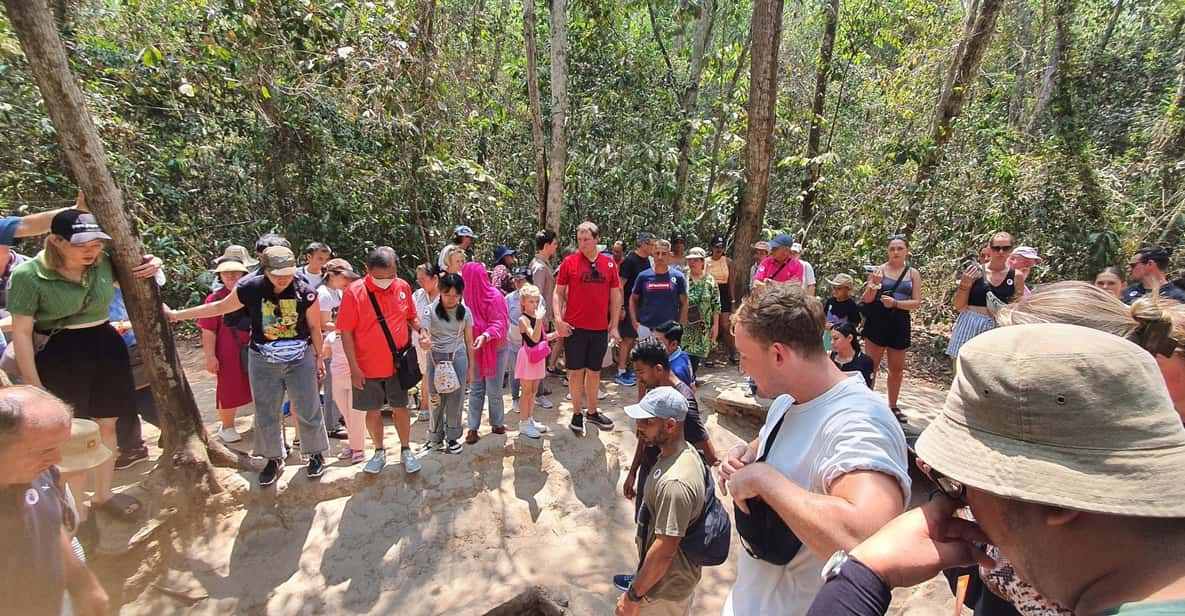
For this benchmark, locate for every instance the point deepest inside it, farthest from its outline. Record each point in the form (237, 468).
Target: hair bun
(1154, 326)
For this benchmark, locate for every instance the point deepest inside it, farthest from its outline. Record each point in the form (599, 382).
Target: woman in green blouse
(703, 309)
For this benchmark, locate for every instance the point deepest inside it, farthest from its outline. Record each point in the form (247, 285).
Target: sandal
(899, 415)
(121, 506)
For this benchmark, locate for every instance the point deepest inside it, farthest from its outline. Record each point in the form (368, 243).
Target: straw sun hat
(1061, 415)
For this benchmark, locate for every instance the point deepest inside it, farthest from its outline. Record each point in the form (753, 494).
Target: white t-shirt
(424, 311)
(808, 273)
(846, 429)
(330, 300)
(314, 280)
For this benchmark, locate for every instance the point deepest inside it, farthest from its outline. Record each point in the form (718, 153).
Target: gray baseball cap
(661, 403)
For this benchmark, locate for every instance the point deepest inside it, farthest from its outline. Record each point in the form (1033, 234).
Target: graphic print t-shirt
(276, 316)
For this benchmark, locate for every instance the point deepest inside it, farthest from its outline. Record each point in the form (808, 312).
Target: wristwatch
(834, 564)
(632, 596)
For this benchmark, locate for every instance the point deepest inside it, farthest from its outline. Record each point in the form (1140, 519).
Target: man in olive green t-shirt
(673, 499)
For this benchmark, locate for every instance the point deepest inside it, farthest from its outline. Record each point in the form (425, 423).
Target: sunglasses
(1003, 248)
(950, 488)
(1135, 264)
(897, 236)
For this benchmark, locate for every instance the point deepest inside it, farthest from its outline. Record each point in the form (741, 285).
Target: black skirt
(89, 369)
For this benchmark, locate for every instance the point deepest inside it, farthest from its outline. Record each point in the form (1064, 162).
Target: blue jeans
(333, 416)
(488, 388)
(511, 358)
(269, 383)
(444, 421)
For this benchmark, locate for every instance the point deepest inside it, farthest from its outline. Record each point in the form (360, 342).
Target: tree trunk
(1111, 26)
(1057, 58)
(763, 96)
(1168, 142)
(721, 120)
(185, 441)
(1024, 35)
(423, 50)
(703, 34)
(559, 113)
(822, 75)
(950, 104)
(536, 112)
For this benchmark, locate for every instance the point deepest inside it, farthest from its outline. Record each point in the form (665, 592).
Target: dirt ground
(466, 534)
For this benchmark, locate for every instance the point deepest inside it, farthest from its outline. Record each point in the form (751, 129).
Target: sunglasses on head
(1003, 248)
(897, 236)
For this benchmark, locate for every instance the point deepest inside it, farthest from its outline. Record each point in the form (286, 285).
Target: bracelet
(875, 287)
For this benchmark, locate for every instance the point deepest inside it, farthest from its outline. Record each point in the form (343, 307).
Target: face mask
(382, 284)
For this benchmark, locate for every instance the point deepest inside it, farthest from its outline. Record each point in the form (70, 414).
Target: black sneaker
(599, 420)
(622, 582)
(557, 371)
(316, 466)
(131, 457)
(577, 424)
(454, 446)
(271, 472)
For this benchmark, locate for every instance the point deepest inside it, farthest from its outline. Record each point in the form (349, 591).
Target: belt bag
(283, 351)
(763, 532)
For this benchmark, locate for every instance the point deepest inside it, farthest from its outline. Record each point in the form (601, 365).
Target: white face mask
(382, 284)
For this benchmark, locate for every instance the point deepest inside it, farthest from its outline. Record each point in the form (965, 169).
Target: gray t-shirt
(448, 336)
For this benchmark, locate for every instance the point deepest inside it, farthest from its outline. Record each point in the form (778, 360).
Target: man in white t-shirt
(808, 270)
(836, 470)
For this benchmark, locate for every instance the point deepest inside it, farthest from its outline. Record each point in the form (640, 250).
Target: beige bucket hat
(85, 450)
(1061, 415)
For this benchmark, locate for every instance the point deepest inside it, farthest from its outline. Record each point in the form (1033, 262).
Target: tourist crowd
(1058, 457)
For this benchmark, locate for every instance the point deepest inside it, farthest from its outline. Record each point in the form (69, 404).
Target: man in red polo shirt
(587, 306)
(372, 364)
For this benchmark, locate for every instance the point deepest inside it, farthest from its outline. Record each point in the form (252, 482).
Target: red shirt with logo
(590, 284)
(357, 315)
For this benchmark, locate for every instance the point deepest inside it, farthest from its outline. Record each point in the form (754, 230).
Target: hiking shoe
(431, 446)
(599, 420)
(543, 403)
(527, 428)
(316, 466)
(131, 457)
(454, 447)
(377, 462)
(271, 472)
(471, 437)
(577, 424)
(229, 435)
(626, 379)
(622, 582)
(410, 463)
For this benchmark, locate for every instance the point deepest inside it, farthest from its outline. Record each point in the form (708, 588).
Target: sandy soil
(466, 534)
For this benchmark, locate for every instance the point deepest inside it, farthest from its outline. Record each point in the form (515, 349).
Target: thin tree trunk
(559, 113)
(536, 112)
(703, 34)
(763, 96)
(951, 104)
(483, 146)
(952, 71)
(1024, 35)
(423, 50)
(1057, 57)
(1168, 142)
(721, 120)
(822, 75)
(186, 445)
(1111, 26)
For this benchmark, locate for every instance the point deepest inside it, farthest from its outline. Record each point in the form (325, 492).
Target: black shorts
(89, 369)
(585, 349)
(376, 391)
(625, 327)
(725, 298)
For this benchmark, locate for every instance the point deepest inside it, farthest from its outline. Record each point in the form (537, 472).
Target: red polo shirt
(356, 315)
(589, 290)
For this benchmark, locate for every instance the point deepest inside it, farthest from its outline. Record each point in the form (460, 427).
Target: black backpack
(709, 537)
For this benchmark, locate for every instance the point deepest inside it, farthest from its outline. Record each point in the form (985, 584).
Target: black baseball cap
(678, 238)
(717, 240)
(77, 227)
(521, 273)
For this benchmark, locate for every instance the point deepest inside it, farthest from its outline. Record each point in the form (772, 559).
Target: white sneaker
(228, 435)
(540, 427)
(514, 406)
(528, 428)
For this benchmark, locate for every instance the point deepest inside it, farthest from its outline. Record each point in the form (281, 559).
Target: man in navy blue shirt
(659, 293)
(1148, 267)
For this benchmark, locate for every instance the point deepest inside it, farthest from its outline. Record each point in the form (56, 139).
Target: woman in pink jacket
(490, 324)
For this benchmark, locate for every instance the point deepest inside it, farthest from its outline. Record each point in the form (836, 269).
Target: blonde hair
(55, 259)
(1155, 323)
(452, 250)
(528, 291)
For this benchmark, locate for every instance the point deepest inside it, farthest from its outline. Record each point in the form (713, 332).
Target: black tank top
(527, 339)
(1003, 291)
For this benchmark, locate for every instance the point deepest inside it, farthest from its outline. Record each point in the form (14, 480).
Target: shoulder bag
(763, 532)
(407, 365)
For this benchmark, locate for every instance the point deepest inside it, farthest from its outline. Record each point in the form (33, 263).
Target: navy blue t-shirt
(33, 576)
(658, 296)
(1168, 291)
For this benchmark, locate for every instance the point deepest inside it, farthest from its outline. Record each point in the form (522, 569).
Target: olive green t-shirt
(674, 498)
(55, 302)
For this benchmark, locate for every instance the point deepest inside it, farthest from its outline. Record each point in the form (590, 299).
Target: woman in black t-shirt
(845, 345)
